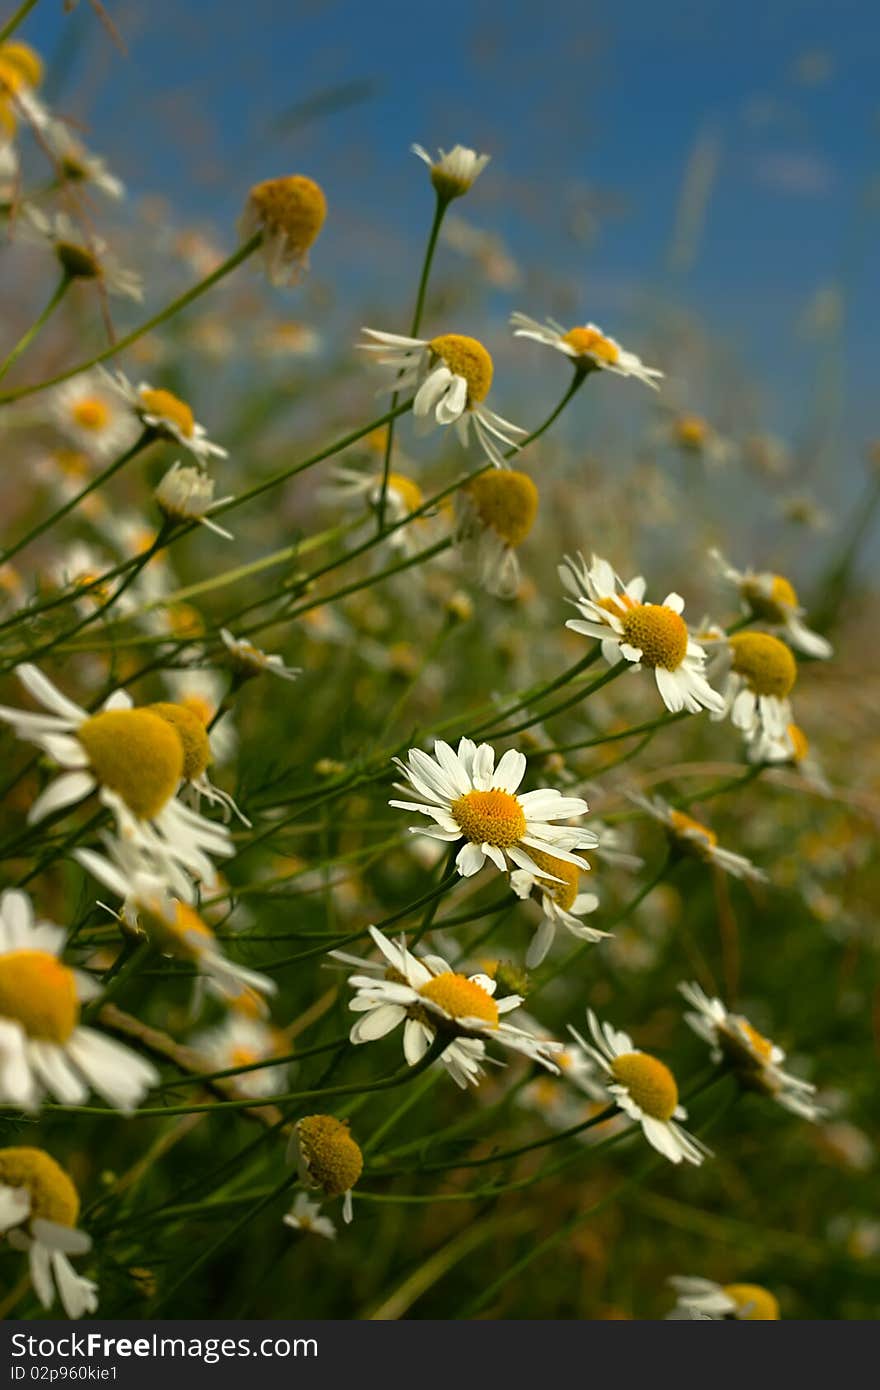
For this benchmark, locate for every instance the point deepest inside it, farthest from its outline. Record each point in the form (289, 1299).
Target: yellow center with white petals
(136, 754)
(461, 998)
(765, 664)
(495, 818)
(753, 1303)
(467, 358)
(332, 1159)
(564, 893)
(690, 432)
(589, 342)
(294, 206)
(77, 260)
(409, 493)
(177, 929)
(649, 1082)
(659, 632)
(742, 1044)
(192, 734)
(90, 413)
(168, 407)
(506, 501)
(688, 827)
(39, 993)
(773, 606)
(53, 1195)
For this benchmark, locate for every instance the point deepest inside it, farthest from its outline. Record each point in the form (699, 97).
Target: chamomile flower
(186, 493)
(704, 1298)
(759, 672)
(587, 346)
(289, 213)
(451, 375)
(248, 660)
(644, 1088)
(328, 1157)
(402, 497)
(81, 260)
(432, 1000)
(791, 748)
(44, 1049)
(471, 800)
(166, 415)
(495, 513)
(78, 165)
(454, 173)
(756, 1061)
(771, 598)
(241, 1040)
(562, 903)
(652, 635)
(89, 413)
(39, 1207)
(305, 1216)
(690, 836)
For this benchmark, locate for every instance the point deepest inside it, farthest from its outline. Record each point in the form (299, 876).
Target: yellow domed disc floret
(690, 829)
(192, 734)
(564, 893)
(39, 993)
(753, 1304)
(168, 407)
(461, 998)
(178, 931)
(409, 492)
(649, 1082)
(294, 206)
(743, 1045)
(690, 432)
(772, 607)
(467, 358)
(332, 1159)
(589, 342)
(53, 1195)
(506, 501)
(90, 413)
(765, 664)
(494, 817)
(23, 59)
(659, 632)
(135, 754)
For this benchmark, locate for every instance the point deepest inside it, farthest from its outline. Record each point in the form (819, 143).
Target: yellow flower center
(136, 754)
(743, 1045)
(90, 413)
(192, 734)
(38, 992)
(200, 707)
(461, 998)
(800, 744)
(589, 342)
(53, 1196)
(410, 494)
(184, 620)
(753, 1304)
(690, 432)
(21, 57)
(330, 1156)
(168, 407)
(179, 932)
(466, 357)
(649, 1082)
(765, 664)
(660, 634)
(506, 501)
(243, 1057)
(78, 260)
(774, 607)
(494, 817)
(686, 825)
(294, 206)
(564, 893)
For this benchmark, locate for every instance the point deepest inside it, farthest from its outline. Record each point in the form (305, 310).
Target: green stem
(12, 24)
(24, 342)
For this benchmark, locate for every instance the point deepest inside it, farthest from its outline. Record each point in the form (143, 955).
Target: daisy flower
(39, 1206)
(692, 434)
(135, 758)
(306, 1216)
(756, 1060)
(705, 1299)
(455, 173)
(471, 800)
(792, 748)
(402, 497)
(44, 1049)
(328, 1157)
(187, 494)
(562, 903)
(80, 260)
(690, 836)
(90, 414)
(248, 660)
(239, 1041)
(166, 415)
(771, 598)
(432, 1000)
(652, 635)
(77, 164)
(289, 213)
(587, 346)
(495, 513)
(644, 1088)
(451, 375)
(759, 673)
